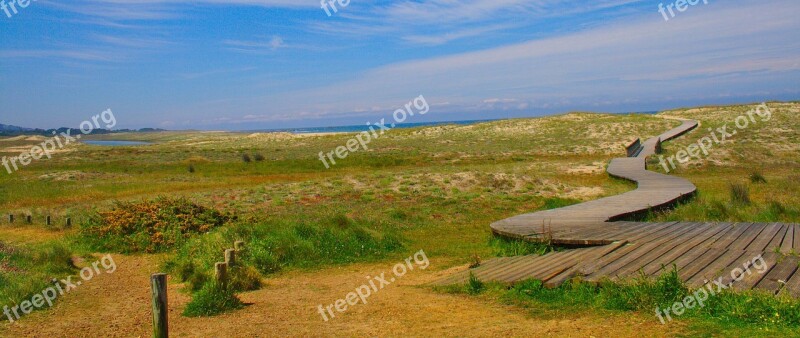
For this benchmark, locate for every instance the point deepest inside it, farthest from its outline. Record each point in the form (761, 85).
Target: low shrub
(211, 300)
(148, 226)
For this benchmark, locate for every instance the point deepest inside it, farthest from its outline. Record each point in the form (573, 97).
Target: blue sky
(256, 64)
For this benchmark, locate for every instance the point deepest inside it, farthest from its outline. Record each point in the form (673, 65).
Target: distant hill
(9, 130)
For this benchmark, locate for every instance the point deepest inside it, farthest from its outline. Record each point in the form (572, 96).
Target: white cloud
(642, 58)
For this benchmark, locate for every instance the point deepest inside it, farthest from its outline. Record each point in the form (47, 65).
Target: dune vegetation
(434, 188)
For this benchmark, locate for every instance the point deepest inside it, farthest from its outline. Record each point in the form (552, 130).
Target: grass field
(434, 188)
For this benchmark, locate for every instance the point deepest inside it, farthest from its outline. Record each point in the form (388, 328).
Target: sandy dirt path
(117, 305)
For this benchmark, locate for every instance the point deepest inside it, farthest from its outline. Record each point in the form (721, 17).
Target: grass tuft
(740, 194)
(475, 286)
(756, 177)
(506, 247)
(212, 300)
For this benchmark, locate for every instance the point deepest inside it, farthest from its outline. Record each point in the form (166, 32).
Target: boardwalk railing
(635, 148)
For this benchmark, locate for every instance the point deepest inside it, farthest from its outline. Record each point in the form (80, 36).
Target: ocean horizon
(364, 127)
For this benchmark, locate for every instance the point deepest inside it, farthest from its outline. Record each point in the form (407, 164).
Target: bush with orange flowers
(149, 226)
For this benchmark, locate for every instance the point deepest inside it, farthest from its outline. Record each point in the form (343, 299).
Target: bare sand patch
(118, 305)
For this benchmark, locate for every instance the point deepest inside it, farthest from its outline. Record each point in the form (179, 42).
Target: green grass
(212, 300)
(27, 270)
(435, 189)
(741, 314)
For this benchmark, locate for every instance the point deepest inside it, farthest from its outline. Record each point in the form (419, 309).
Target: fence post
(47, 220)
(238, 245)
(230, 257)
(10, 218)
(158, 284)
(221, 274)
(29, 219)
(69, 222)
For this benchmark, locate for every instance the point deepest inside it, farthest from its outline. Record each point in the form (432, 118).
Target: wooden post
(10, 218)
(29, 219)
(47, 220)
(158, 284)
(230, 257)
(69, 222)
(238, 245)
(221, 273)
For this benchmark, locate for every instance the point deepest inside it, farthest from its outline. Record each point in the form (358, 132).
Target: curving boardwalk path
(702, 252)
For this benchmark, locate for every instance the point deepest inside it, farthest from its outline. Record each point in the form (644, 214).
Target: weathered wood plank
(755, 276)
(792, 286)
(575, 270)
(764, 238)
(779, 275)
(654, 255)
(714, 231)
(797, 238)
(713, 269)
(788, 240)
(748, 237)
(643, 249)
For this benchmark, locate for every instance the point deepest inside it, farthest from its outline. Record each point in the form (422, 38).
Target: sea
(364, 127)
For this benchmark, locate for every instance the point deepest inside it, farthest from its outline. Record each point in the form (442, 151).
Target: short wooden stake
(10, 218)
(158, 285)
(230, 257)
(29, 219)
(238, 245)
(47, 220)
(221, 274)
(69, 222)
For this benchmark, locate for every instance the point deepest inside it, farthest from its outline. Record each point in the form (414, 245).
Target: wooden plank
(776, 278)
(532, 271)
(658, 231)
(713, 269)
(635, 254)
(574, 271)
(751, 280)
(591, 267)
(729, 238)
(482, 273)
(792, 286)
(502, 274)
(788, 240)
(796, 238)
(698, 230)
(775, 243)
(569, 264)
(748, 237)
(764, 238)
(715, 232)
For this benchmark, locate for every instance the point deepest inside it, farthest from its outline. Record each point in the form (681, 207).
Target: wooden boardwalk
(701, 252)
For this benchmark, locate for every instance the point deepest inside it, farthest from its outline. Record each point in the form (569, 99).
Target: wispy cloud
(442, 38)
(272, 44)
(640, 58)
(61, 54)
